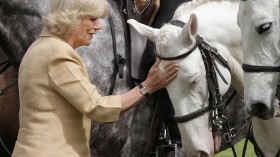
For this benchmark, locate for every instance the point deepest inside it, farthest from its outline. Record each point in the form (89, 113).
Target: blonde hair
(64, 15)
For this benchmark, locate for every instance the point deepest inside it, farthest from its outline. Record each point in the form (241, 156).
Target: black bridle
(257, 68)
(208, 54)
(216, 104)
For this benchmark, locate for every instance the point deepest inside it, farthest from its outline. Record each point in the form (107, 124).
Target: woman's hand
(157, 78)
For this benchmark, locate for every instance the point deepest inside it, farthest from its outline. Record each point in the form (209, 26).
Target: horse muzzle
(263, 110)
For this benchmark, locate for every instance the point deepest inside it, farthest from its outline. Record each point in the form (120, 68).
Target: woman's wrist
(143, 90)
(148, 87)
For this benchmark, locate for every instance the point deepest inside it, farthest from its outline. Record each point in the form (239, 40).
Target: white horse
(189, 92)
(259, 24)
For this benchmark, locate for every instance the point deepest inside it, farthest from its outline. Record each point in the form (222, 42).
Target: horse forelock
(167, 33)
(163, 40)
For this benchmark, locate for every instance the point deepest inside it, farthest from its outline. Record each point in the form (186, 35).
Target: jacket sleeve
(69, 78)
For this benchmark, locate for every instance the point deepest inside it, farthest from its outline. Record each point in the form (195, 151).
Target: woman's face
(84, 33)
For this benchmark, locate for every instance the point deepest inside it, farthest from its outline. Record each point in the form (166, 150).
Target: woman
(56, 97)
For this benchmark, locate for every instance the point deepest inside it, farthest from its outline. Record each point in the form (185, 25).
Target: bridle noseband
(257, 68)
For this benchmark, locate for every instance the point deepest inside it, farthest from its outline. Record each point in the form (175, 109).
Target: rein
(216, 104)
(6, 64)
(119, 61)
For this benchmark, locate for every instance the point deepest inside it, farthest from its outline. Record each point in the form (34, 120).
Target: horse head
(259, 23)
(189, 91)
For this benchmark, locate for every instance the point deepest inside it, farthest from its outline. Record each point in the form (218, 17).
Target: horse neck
(265, 133)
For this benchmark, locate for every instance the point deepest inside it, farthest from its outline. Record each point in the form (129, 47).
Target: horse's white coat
(217, 24)
(267, 135)
(261, 49)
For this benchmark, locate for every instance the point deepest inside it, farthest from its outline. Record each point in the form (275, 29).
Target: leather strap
(177, 23)
(141, 88)
(256, 68)
(4, 90)
(5, 65)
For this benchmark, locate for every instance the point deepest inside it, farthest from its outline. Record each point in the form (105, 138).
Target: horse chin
(210, 146)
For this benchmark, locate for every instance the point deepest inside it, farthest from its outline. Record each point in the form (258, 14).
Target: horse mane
(187, 7)
(183, 9)
(165, 38)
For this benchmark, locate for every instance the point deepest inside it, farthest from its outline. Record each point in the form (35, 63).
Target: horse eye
(264, 27)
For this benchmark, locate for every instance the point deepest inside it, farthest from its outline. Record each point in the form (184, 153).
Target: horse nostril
(203, 154)
(259, 110)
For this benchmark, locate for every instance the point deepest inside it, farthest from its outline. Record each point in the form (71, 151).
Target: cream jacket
(57, 102)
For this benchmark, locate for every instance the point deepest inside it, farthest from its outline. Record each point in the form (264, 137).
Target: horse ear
(144, 30)
(190, 30)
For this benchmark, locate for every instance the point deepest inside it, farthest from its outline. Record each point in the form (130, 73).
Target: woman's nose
(97, 25)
